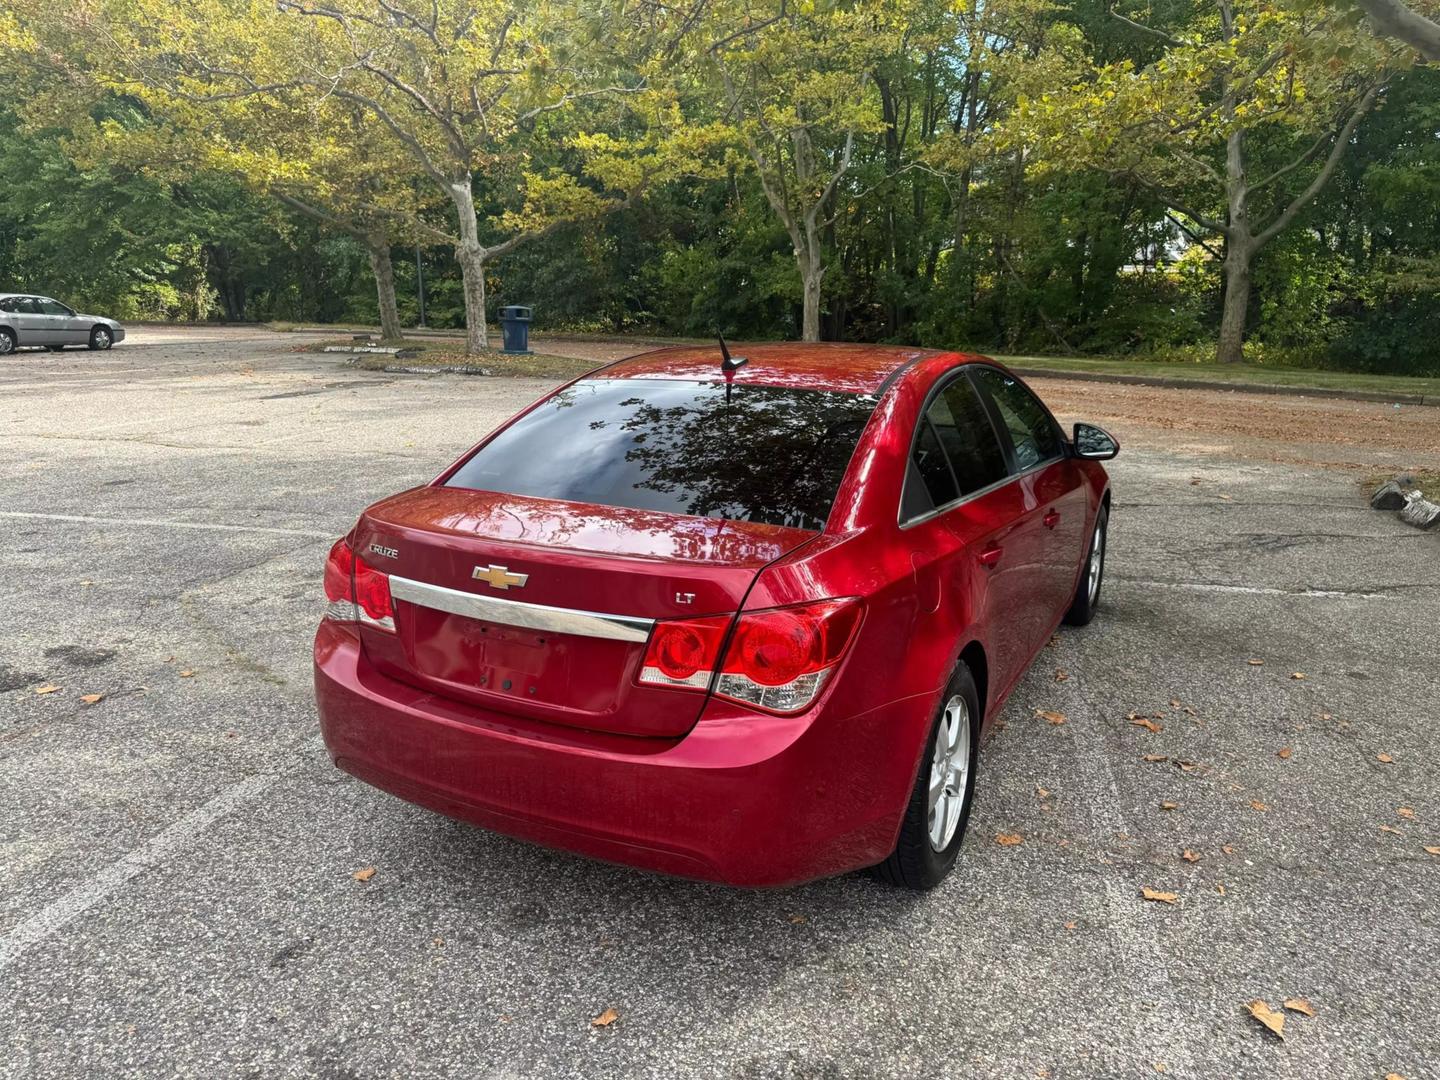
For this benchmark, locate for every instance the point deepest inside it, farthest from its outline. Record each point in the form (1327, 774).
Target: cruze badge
(388, 552)
(499, 577)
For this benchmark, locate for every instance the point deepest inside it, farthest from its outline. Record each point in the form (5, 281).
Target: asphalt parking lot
(176, 859)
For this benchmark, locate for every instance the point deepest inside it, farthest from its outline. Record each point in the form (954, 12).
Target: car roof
(846, 367)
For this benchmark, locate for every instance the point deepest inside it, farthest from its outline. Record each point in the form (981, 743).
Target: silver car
(27, 319)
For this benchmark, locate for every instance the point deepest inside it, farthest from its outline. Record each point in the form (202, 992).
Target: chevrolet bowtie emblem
(499, 577)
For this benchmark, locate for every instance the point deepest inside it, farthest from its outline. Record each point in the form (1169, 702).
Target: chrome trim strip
(518, 613)
(1010, 478)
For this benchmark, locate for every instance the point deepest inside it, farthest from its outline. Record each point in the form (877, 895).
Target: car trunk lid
(540, 608)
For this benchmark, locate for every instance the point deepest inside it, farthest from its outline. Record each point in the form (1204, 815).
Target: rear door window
(968, 436)
(750, 453)
(957, 452)
(1035, 436)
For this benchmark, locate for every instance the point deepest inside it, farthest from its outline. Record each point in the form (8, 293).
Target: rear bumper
(743, 799)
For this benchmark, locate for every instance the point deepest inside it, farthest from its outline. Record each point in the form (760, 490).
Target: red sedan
(736, 619)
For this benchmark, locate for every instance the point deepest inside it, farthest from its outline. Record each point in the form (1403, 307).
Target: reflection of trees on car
(767, 458)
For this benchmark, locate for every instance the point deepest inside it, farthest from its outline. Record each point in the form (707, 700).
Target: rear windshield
(761, 453)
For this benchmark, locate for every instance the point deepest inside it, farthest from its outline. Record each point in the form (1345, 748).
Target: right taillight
(355, 591)
(778, 659)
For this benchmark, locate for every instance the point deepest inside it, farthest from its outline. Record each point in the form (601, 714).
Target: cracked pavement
(176, 860)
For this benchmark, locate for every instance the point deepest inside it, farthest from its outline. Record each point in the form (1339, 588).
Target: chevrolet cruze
(740, 619)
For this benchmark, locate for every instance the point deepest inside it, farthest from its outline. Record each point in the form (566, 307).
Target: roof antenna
(729, 363)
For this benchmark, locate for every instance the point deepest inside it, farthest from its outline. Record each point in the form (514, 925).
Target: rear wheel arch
(973, 657)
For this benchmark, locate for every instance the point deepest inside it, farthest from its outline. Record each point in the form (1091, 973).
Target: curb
(1168, 383)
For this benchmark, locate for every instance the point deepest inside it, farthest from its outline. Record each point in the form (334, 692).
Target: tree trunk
(1236, 303)
(384, 273)
(811, 271)
(1239, 251)
(470, 254)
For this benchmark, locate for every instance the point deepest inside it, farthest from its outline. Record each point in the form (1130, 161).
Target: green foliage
(1001, 177)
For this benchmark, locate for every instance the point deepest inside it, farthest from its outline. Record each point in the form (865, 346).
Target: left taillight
(356, 592)
(778, 659)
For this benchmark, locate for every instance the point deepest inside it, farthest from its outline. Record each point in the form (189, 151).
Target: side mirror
(1095, 444)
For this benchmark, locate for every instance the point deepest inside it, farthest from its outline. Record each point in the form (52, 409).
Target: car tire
(1092, 574)
(7, 341)
(101, 338)
(926, 849)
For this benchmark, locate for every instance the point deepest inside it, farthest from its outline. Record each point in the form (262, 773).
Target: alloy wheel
(1097, 561)
(949, 772)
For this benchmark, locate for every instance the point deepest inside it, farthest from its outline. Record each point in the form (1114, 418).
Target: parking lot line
(83, 519)
(56, 915)
(1247, 590)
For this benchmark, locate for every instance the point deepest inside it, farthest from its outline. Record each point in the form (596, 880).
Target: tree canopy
(1241, 178)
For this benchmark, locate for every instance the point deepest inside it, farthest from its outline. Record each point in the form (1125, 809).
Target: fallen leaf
(1189, 856)
(1053, 642)
(1227, 849)
(1042, 793)
(364, 875)
(796, 920)
(1188, 766)
(1159, 1066)
(1061, 675)
(1297, 675)
(1227, 498)
(1071, 925)
(1049, 717)
(1284, 753)
(1433, 850)
(1220, 888)
(1158, 896)
(1169, 806)
(1391, 829)
(1256, 804)
(187, 674)
(1394, 1076)
(605, 1019)
(48, 688)
(1175, 703)
(1255, 661)
(91, 699)
(1194, 480)
(1149, 725)
(1405, 812)
(1008, 839)
(1154, 757)
(87, 583)
(1271, 1018)
(1385, 759)
(1300, 1005)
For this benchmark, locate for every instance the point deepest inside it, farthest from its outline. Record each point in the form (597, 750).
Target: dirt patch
(1301, 430)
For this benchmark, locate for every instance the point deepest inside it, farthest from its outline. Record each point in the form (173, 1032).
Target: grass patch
(1426, 480)
(1238, 374)
(443, 356)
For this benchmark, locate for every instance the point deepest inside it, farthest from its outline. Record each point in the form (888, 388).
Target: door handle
(990, 557)
(1051, 518)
